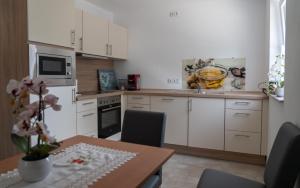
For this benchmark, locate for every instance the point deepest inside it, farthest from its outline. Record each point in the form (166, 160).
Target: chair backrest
(283, 164)
(146, 128)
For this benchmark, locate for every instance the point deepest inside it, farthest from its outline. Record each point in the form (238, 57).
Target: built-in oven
(55, 64)
(109, 116)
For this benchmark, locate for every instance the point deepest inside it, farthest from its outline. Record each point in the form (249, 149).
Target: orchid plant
(276, 73)
(29, 118)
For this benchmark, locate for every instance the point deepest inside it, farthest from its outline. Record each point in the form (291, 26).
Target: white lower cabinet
(176, 109)
(243, 126)
(138, 102)
(87, 118)
(242, 142)
(243, 120)
(87, 122)
(138, 107)
(233, 125)
(206, 123)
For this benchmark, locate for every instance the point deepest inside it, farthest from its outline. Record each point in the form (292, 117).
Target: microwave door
(53, 67)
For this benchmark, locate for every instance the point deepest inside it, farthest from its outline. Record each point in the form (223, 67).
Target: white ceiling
(116, 5)
(112, 5)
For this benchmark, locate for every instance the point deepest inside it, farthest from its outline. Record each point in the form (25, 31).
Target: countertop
(251, 95)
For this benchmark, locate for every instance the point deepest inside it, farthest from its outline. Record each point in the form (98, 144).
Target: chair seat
(216, 179)
(152, 182)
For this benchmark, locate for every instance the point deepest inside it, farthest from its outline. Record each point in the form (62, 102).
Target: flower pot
(33, 171)
(280, 92)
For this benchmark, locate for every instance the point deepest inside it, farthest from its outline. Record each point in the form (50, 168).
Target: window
(278, 39)
(283, 19)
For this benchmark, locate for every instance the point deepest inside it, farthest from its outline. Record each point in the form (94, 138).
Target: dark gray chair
(146, 128)
(282, 169)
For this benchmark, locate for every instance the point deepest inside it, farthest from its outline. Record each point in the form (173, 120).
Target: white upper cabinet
(52, 22)
(78, 29)
(95, 35)
(206, 123)
(118, 44)
(176, 109)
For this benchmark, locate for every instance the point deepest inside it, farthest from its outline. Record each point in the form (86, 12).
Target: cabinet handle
(137, 98)
(167, 99)
(88, 103)
(87, 115)
(72, 37)
(107, 49)
(137, 107)
(242, 103)
(81, 43)
(73, 96)
(242, 114)
(241, 135)
(111, 50)
(190, 105)
(112, 108)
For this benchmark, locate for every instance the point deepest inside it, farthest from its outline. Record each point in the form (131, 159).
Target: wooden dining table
(130, 175)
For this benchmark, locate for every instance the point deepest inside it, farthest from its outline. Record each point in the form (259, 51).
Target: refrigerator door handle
(73, 96)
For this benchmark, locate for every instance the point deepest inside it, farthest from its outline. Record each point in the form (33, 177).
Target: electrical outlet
(173, 14)
(173, 81)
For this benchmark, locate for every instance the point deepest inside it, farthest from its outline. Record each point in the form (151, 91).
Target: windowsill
(279, 99)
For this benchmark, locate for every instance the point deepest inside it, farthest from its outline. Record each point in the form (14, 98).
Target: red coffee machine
(134, 82)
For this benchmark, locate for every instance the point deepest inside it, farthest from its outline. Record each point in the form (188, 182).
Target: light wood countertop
(251, 95)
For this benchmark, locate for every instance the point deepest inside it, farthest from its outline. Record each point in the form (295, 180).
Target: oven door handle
(109, 109)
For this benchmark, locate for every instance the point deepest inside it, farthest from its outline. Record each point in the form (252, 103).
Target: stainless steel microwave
(56, 65)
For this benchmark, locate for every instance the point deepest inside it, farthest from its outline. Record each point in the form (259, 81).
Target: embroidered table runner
(77, 166)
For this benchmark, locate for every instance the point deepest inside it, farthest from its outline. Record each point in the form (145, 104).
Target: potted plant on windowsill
(30, 124)
(276, 74)
(280, 89)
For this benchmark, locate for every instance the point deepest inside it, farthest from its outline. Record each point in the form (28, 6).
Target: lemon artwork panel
(225, 74)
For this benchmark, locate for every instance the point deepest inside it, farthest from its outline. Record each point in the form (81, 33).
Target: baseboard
(217, 154)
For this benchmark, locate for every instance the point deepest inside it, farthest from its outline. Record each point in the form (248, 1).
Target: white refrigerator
(61, 124)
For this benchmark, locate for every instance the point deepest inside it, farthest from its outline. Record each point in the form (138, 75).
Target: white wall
(290, 109)
(276, 109)
(292, 86)
(89, 7)
(203, 28)
(292, 77)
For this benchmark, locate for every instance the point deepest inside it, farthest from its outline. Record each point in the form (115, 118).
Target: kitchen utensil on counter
(122, 84)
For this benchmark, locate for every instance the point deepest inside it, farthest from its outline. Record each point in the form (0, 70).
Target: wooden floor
(184, 171)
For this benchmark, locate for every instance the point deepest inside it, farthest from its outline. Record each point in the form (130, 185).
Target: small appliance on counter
(134, 82)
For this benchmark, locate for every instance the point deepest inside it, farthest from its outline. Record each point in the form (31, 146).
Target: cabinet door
(86, 105)
(206, 123)
(52, 22)
(138, 99)
(176, 110)
(243, 120)
(87, 122)
(95, 35)
(138, 107)
(61, 124)
(243, 142)
(78, 29)
(118, 41)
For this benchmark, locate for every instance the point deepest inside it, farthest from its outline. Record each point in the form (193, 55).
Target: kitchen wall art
(227, 74)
